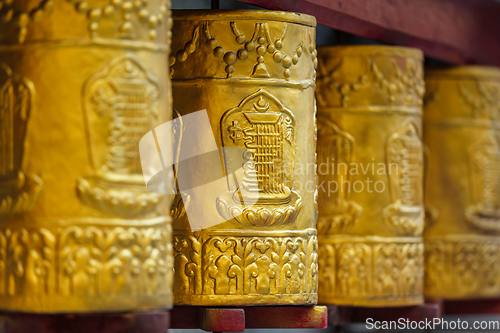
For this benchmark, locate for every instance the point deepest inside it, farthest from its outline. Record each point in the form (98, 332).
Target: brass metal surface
(254, 73)
(370, 169)
(462, 196)
(80, 83)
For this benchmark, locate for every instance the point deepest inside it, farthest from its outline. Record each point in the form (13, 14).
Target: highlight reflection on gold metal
(370, 169)
(80, 84)
(462, 239)
(253, 71)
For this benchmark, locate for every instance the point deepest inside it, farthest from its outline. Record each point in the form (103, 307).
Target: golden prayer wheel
(370, 169)
(254, 74)
(462, 192)
(80, 83)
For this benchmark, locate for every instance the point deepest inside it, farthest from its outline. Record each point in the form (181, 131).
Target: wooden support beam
(476, 307)
(458, 31)
(126, 322)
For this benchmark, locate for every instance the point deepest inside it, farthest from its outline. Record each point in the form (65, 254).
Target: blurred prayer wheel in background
(370, 169)
(254, 74)
(80, 83)
(462, 193)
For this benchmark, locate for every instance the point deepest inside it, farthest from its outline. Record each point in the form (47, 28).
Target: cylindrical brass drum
(251, 240)
(370, 169)
(462, 192)
(80, 83)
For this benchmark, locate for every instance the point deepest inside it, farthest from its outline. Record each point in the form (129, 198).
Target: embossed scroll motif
(83, 261)
(265, 129)
(130, 19)
(462, 268)
(244, 265)
(336, 148)
(261, 42)
(400, 86)
(121, 105)
(18, 190)
(483, 99)
(99, 10)
(484, 158)
(356, 270)
(405, 172)
(21, 18)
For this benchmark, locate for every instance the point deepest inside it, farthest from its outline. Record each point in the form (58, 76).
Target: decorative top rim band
(464, 73)
(370, 50)
(227, 15)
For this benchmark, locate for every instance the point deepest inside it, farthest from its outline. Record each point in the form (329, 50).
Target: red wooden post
(238, 319)
(286, 317)
(222, 320)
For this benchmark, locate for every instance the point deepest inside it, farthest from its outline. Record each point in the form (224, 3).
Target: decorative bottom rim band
(245, 268)
(92, 265)
(462, 267)
(371, 271)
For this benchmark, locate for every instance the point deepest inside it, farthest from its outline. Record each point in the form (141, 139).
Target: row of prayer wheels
(337, 149)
